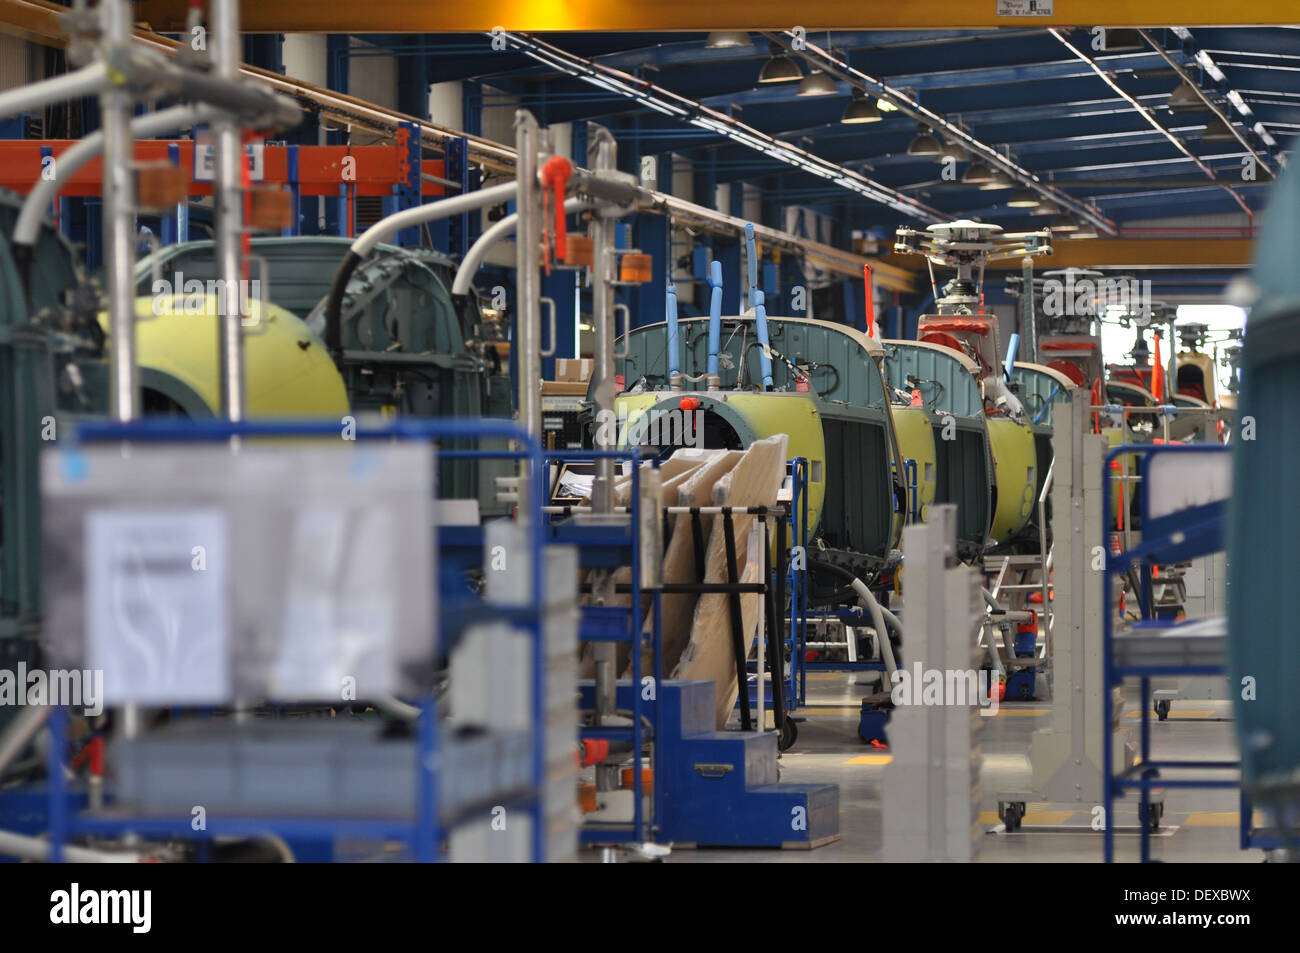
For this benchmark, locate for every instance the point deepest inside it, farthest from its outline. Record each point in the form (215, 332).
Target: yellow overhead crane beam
(1128, 252)
(1150, 252)
(423, 16)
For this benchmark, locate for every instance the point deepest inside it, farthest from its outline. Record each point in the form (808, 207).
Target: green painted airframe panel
(946, 384)
(846, 372)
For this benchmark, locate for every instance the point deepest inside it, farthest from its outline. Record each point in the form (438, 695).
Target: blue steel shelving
(1182, 535)
(428, 828)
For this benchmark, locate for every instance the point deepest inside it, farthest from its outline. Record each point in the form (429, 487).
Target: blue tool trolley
(1191, 647)
(423, 833)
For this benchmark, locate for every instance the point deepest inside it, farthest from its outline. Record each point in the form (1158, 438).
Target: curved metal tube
(384, 228)
(86, 81)
(478, 251)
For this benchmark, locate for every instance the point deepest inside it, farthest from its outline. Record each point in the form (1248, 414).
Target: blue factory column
(561, 286)
(649, 300)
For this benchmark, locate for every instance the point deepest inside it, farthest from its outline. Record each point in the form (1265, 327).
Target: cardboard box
(573, 370)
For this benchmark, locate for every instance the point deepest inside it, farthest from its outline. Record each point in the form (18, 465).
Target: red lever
(555, 178)
(871, 302)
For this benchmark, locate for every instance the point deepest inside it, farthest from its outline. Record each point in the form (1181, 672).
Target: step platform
(720, 788)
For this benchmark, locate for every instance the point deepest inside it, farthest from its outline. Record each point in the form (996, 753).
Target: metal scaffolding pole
(228, 198)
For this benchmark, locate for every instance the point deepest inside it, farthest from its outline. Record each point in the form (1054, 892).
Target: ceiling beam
(1146, 114)
(421, 16)
(1210, 104)
(832, 65)
(689, 111)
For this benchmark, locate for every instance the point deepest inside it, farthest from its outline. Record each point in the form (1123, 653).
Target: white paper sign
(156, 605)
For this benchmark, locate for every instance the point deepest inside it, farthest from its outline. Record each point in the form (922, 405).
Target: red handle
(871, 301)
(555, 177)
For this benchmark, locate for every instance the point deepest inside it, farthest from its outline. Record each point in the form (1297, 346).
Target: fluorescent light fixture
(886, 105)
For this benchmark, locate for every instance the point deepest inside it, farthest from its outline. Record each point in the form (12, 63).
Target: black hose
(334, 304)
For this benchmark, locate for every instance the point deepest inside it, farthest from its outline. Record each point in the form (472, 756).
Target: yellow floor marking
(1176, 713)
(1054, 818)
(871, 759)
(1023, 712)
(1219, 819)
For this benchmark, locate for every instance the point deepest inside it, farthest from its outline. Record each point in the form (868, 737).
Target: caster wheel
(1162, 710)
(789, 734)
(1012, 813)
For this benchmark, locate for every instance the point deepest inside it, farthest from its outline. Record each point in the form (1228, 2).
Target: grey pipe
(878, 619)
(20, 733)
(75, 156)
(528, 308)
(87, 81)
(34, 848)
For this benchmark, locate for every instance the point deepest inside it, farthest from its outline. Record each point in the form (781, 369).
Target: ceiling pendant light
(779, 68)
(978, 173)
(817, 83)
(954, 151)
(1218, 131)
(1184, 99)
(1023, 198)
(1085, 230)
(727, 40)
(1046, 207)
(1064, 223)
(999, 180)
(860, 109)
(925, 144)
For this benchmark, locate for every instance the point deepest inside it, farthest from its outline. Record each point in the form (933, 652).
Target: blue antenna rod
(764, 355)
(756, 302)
(715, 316)
(1011, 354)
(751, 259)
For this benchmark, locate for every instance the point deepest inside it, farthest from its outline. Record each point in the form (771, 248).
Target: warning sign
(1025, 8)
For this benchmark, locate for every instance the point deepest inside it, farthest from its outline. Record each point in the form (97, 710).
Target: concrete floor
(1199, 825)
